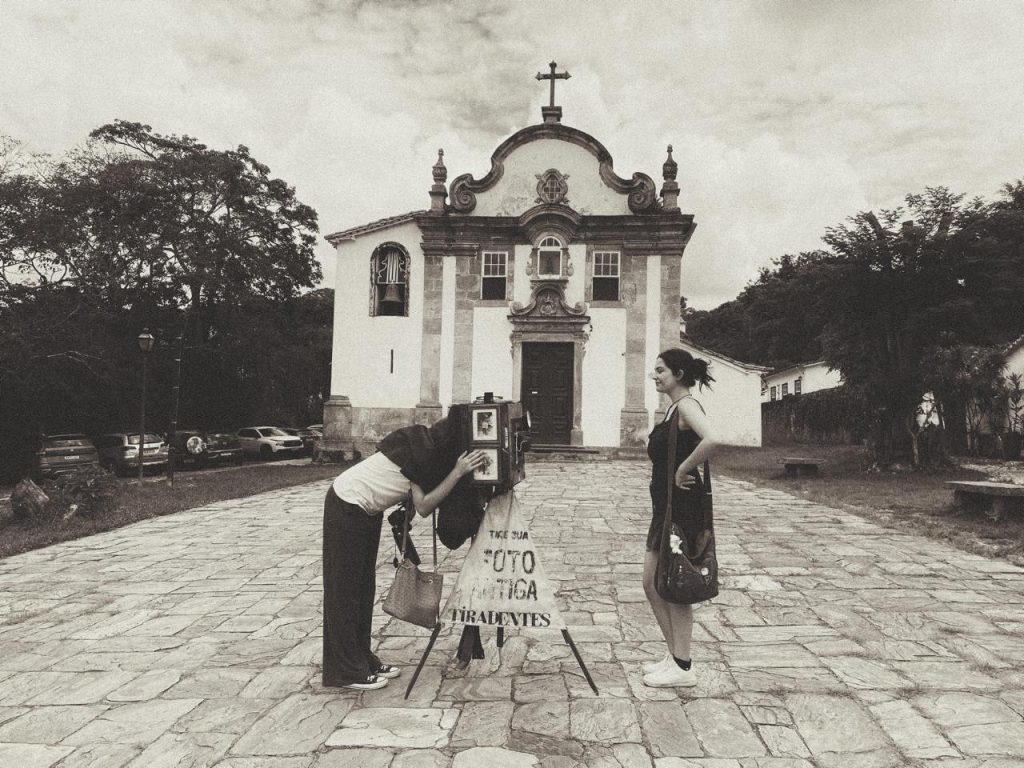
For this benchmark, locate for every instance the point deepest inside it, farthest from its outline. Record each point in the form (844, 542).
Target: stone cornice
(655, 234)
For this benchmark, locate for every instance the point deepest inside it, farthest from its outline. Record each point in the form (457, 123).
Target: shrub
(86, 491)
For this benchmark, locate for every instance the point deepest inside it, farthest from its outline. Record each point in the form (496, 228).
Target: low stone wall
(826, 417)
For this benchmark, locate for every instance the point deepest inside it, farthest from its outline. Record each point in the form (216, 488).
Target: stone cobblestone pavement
(194, 640)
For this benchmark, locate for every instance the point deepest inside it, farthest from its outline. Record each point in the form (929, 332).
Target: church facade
(550, 279)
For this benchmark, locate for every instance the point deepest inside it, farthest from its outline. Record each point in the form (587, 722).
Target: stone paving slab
(194, 640)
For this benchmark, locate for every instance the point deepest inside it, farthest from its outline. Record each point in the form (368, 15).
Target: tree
(775, 321)
(206, 226)
(892, 291)
(139, 229)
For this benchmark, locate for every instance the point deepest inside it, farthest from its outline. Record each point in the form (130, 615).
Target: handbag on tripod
(415, 595)
(689, 575)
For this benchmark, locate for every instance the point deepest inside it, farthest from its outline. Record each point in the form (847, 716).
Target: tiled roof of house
(684, 339)
(373, 226)
(798, 365)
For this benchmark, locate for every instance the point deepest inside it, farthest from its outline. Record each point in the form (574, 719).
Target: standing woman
(676, 372)
(408, 460)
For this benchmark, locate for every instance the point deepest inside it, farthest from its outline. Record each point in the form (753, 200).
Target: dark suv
(63, 454)
(199, 448)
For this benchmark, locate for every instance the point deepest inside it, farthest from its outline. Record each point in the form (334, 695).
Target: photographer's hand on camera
(470, 461)
(427, 502)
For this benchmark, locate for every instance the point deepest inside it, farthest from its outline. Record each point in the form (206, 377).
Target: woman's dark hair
(691, 370)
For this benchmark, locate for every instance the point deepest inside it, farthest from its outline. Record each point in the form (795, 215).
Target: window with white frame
(549, 257)
(494, 275)
(774, 393)
(785, 389)
(798, 385)
(606, 276)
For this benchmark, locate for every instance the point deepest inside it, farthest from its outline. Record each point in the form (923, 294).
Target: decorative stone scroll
(641, 190)
(548, 304)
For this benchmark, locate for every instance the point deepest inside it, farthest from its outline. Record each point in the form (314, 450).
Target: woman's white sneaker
(671, 677)
(654, 666)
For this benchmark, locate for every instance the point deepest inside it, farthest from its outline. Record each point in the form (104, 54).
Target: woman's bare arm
(690, 415)
(426, 503)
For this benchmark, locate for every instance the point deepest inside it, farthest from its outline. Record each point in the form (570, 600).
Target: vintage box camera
(502, 431)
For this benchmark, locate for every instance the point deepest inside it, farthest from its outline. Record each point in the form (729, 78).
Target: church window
(774, 393)
(389, 275)
(549, 258)
(494, 275)
(798, 385)
(606, 276)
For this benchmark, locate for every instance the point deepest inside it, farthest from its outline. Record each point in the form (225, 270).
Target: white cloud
(786, 117)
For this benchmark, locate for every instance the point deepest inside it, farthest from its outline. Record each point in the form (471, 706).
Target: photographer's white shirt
(376, 483)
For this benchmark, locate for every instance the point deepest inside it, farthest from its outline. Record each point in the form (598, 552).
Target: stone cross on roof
(551, 113)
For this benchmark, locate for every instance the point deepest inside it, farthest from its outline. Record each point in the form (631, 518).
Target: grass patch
(155, 498)
(911, 501)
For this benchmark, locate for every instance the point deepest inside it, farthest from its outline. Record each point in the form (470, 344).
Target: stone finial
(670, 189)
(440, 172)
(669, 169)
(438, 193)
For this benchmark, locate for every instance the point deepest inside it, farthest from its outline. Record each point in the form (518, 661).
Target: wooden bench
(796, 466)
(995, 499)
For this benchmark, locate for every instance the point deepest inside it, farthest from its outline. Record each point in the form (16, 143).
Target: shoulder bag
(690, 574)
(415, 595)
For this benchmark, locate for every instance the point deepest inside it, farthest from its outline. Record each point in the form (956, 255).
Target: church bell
(391, 295)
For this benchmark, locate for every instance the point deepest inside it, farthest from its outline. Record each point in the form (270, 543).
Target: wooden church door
(548, 389)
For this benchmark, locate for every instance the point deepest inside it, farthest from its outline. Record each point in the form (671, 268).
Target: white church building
(550, 279)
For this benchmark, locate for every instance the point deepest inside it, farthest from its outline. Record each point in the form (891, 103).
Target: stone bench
(796, 466)
(996, 499)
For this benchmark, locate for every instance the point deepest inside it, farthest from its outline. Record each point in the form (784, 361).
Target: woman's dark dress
(685, 502)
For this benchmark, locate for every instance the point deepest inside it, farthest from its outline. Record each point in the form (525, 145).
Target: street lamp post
(175, 396)
(146, 342)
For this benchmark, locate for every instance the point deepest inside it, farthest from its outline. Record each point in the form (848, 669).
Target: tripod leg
(579, 660)
(423, 658)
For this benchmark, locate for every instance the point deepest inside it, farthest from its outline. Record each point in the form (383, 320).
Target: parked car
(62, 454)
(267, 442)
(119, 451)
(309, 438)
(199, 448)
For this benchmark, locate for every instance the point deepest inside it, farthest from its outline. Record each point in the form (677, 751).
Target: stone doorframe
(548, 318)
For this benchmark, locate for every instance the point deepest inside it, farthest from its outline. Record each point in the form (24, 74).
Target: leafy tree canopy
(890, 290)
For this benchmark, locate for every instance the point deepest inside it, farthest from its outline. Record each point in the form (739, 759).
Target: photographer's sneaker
(671, 677)
(654, 666)
(386, 670)
(371, 683)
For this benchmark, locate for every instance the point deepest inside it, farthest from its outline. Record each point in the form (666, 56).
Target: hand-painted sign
(502, 582)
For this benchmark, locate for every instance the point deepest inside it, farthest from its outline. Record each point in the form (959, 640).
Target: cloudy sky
(786, 117)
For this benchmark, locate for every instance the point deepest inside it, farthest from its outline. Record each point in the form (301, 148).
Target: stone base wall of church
(633, 426)
(371, 425)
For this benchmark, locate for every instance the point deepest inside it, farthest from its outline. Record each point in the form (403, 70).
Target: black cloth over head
(424, 454)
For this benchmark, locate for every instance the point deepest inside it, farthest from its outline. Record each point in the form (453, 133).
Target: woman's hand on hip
(470, 461)
(684, 480)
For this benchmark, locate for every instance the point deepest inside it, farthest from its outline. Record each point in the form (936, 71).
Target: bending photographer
(424, 462)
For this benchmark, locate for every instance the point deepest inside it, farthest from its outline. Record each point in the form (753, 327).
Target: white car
(268, 442)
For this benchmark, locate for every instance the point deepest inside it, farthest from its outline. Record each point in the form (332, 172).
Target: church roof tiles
(373, 226)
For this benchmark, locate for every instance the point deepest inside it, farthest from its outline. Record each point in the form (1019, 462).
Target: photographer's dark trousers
(351, 539)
